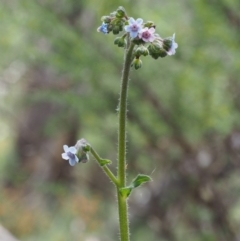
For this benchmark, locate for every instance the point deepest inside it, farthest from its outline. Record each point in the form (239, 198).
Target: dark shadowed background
(59, 82)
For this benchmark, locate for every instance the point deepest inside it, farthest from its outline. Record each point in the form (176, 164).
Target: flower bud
(162, 53)
(121, 28)
(120, 41)
(119, 23)
(116, 29)
(110, 27)
(154, 47)
(141, 50)
(154, 56)
(82, 147)
(138, 41)
(113, 14)
(167, 43)
(106, 19)
(137, 63)
(156, 50)
(121, 12)
(149, 24)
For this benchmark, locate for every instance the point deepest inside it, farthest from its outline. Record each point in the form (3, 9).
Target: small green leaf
(126, 191)
(104, 162)
(140, 179)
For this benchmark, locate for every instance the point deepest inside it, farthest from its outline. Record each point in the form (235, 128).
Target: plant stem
(105, 168)
(123, 117)
(122, 202)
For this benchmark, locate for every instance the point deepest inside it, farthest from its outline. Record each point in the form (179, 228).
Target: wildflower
(103, 28)
(134, 27)
(70, 155)
(147, 34)
(170, 45)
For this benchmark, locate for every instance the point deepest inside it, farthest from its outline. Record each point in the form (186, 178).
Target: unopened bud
(137, 63)
(167, 43)
(110, 27)
(121, 12)
(141, 50)
(156, 50)
(106, 19)
(83, 147)
(113, 14)
(149, 24)
(116, 29)
(120, 41)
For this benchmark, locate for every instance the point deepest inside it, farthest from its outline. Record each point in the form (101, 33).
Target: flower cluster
(77, 153)
(143, 35)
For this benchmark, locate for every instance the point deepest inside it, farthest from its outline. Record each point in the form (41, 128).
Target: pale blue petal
(131, 20)
(133, 34)
(65, 156)
(65, 148)
(72, 149)
(139, 21)
(72, 162)
(127, 28)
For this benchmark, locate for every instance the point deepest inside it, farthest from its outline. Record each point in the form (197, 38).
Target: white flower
(70, 155)
(133, 27)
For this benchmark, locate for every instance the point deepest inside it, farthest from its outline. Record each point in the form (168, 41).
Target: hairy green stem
(105, 168)
(123, 117)
(122, 202)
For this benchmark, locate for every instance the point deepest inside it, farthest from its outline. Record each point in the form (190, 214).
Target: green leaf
(140, 179)
(104, 162)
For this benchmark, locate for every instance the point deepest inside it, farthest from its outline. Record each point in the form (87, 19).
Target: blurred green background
(59, 82)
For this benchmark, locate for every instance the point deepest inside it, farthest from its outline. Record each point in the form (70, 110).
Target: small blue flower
(103, 28)
(70, 155)
(174, 45)
(133, 27)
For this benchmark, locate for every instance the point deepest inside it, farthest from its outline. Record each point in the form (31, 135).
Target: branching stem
(105, 168)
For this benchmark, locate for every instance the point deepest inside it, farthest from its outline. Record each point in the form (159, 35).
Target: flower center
(134, 27)
(146, 34)
(70, 155)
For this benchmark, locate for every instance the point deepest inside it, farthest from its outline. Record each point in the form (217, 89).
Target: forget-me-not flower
(174, 45)
(103, 28)
(134, 27)
(70, 155)
(147, 34)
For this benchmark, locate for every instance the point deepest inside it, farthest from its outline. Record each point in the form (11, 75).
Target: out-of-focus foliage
(59, 81)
